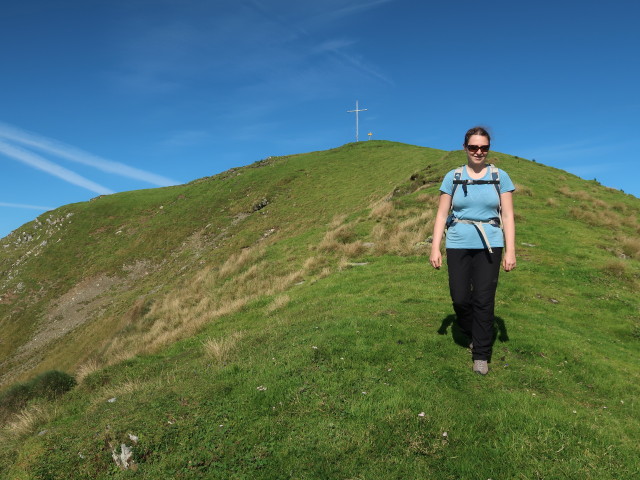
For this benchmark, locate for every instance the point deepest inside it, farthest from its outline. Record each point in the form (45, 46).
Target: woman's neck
(476, 170)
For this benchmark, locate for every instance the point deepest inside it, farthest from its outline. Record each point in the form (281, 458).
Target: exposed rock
(261, 204)
(123, 459)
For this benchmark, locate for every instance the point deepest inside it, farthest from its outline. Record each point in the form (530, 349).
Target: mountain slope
(307, 276)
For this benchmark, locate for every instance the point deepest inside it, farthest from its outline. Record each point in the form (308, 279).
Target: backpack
(495, 181)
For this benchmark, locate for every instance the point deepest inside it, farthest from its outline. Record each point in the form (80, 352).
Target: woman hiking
(477, 241)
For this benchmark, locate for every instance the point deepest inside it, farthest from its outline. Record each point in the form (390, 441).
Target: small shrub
(49, 385)
(552, 202)
(13, 400)
(52, 384)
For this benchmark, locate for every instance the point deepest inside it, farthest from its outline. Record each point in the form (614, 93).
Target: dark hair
(476, 131)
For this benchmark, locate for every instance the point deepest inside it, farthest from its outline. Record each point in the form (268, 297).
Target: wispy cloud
(361, 66)
(28, 207)
(317, 20)
(74, 154)
(353, 9)
(36, 161)
(333, 45)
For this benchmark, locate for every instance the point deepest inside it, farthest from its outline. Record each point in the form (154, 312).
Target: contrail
(51, 168)
(30, 207)
(74, 154)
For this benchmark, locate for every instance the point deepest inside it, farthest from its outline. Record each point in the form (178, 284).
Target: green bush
(52, 384)
(13, 400)
(48, 385)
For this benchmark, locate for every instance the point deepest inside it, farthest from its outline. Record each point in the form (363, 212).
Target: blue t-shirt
(481, 203)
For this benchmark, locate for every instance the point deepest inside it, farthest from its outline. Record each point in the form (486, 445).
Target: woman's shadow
(500, 331)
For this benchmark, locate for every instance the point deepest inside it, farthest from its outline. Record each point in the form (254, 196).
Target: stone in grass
(123, 459)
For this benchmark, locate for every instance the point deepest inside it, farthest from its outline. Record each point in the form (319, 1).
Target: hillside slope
(306, 275)
(74, 278)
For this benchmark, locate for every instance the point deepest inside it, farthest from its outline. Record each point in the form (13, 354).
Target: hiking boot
(481, 367)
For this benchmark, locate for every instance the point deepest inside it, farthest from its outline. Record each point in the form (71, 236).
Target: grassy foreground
(352, 369)
(354, 378)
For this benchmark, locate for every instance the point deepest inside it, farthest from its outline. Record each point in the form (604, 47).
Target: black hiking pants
(473, 279)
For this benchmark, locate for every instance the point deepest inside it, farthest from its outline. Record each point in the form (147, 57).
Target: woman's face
(477, 149)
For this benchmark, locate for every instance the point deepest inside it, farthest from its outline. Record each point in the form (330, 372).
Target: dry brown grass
(600, 218)
(238, 261)
(615, 268)
(580, 195)
(334, 239)
(523, 190)
(379, 231)
(631, 223)
(382, 209)
(353, 249)
(552, 202)
(221, 348)
(597, 203)
(325, 272)
(278, 303)
(402, 236)
(630, 247)
(337, 221)
(26, 421)
(86, 369)
(313, 264)
(429, 198)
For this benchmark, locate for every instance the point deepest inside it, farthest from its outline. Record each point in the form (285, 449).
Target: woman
(475, 241)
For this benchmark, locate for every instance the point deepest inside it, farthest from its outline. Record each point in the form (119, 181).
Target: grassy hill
(281, 321)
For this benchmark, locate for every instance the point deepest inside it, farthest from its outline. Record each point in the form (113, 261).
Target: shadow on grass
(500, 331)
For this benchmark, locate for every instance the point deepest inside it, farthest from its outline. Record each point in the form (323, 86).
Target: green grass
(358, 372)
(347, 368)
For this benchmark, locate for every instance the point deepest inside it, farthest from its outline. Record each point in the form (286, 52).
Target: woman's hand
(509, 261)
(436, 258)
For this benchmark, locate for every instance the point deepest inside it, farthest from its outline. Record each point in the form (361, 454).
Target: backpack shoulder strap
(457, 175)
(495, 176)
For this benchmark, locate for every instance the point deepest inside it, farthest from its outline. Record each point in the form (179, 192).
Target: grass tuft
(220, 349)
(630, 247)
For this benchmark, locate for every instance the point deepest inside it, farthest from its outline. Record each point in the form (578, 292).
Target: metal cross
(356, 111)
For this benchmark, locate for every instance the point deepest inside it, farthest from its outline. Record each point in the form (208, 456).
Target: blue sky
(107, 96)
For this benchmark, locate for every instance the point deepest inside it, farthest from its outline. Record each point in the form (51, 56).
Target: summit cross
(357, 110)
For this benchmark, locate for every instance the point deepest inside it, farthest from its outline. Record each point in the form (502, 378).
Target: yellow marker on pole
(369, 135)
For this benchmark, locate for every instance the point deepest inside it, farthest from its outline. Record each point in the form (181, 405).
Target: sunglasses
(475, 148)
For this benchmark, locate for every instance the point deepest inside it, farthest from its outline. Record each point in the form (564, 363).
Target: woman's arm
(444, 205)
(509, 227)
